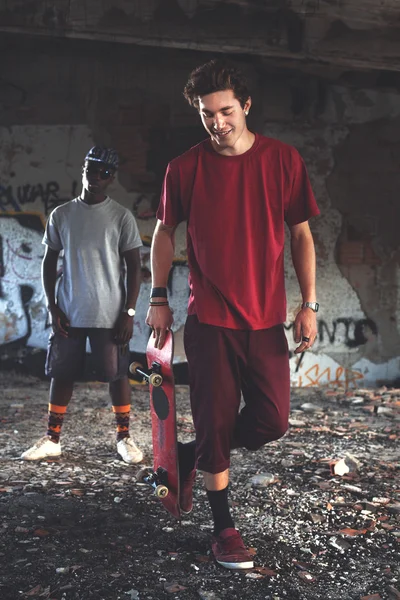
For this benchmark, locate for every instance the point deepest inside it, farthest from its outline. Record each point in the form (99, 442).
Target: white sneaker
(43, 448)
(128, 450)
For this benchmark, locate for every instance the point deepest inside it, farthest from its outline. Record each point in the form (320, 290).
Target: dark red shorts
(225, 364)
(66, 356)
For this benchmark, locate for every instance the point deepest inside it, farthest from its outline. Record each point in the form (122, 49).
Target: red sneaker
(186, 492)
(229, 550)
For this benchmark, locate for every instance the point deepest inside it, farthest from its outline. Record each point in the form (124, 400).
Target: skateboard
(164, 476)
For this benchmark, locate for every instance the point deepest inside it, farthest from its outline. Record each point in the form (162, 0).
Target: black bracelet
(158, 292)
(159, 303)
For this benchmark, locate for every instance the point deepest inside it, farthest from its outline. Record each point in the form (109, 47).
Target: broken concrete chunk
(348, 464)
(263, 479)
(305, 576)
(340, 467)
(385, 411)
(340, 544)
(309, 407)
(353, 489)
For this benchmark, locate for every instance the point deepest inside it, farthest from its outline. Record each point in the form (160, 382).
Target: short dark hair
(216, 75)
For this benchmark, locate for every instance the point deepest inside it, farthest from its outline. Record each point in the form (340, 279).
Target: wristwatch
(131, 311)
(313, 305)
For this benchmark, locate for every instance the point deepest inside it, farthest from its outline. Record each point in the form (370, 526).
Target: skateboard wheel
(161, 491)
(143, 473)
(155, 379)
(133, 366)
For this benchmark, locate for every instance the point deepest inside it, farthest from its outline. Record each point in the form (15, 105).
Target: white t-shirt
(92, 288)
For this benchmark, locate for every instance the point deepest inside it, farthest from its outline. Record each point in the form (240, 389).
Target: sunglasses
(93, 170)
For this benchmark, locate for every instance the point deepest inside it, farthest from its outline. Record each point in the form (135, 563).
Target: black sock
(220, 510)
(186, 457)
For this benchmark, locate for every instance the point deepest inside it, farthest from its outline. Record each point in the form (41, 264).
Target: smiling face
(224, 119)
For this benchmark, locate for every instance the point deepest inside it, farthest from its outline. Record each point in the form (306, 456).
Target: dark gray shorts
(66, 356)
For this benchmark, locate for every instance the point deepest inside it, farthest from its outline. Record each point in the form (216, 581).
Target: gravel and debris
(319, 509)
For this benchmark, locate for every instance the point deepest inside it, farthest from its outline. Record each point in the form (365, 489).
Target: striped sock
(55, 421)
(122, 414)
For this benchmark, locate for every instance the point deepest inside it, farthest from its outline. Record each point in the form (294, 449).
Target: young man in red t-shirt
(236, 190)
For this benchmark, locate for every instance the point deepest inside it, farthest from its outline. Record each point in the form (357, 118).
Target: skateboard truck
(154, 378)
(157, 479)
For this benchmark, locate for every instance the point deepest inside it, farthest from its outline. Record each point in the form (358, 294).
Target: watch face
(131, 312)
(313, 305)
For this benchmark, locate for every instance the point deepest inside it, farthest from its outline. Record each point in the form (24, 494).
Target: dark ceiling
(314, 36)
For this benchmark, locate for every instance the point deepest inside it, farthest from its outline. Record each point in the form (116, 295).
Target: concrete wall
(79, 94)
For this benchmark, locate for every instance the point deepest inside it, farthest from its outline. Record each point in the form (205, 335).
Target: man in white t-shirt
(95, 299)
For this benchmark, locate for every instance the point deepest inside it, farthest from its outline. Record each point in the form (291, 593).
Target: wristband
(159, 303)
(158, 292)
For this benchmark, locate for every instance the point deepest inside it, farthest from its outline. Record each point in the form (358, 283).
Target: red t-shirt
(236, 207)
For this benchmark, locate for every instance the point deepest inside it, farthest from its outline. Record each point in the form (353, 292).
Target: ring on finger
(305, 339)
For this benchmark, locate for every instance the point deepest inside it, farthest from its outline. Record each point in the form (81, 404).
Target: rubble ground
(318, 508)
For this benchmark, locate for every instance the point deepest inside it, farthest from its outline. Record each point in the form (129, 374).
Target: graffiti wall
(23, 314)
(352, 347)
(40, 169)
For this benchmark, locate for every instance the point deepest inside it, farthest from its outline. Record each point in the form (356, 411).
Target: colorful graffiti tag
(317, 375)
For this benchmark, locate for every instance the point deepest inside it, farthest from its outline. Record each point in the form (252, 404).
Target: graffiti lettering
(48, 194)
(359, 331)
(339, 376)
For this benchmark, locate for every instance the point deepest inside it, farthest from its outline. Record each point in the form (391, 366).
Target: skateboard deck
(164, 476)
